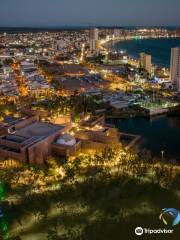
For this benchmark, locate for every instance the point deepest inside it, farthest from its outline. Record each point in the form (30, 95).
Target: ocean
(160, 49)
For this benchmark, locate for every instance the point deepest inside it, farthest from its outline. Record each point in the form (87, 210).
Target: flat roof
(39, 129)
(14, 138)
(10, 121)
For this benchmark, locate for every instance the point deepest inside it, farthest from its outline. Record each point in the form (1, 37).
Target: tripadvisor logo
(170, 216)
(140, 231)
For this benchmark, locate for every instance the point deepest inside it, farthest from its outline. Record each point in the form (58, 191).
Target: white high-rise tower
(93, 38)
(175, 67)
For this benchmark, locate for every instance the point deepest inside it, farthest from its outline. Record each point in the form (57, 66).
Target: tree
(52, 235)
(2, 191)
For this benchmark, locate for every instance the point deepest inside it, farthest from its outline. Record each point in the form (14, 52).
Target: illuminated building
(93, 38)
(29, 140)
(117, 58)
(175, 67)
(145, 62)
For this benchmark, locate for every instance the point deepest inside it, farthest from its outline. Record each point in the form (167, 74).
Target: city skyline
(56, 13)
(89, 119)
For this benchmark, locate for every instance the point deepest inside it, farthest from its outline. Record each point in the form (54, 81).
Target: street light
(162, 154)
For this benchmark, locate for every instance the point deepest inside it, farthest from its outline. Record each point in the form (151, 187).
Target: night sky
(54, 13)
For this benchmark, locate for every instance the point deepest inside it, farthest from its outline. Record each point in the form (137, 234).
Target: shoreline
(131, 39)
(107, 48)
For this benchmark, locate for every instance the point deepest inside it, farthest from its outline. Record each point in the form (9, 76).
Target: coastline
(106, 45)
(105, 41)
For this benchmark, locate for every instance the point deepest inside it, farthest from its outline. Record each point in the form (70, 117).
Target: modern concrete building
(175, 67)
(66, 145)
(145, 62)
(12, 124)
(32, 142)
(93, 38)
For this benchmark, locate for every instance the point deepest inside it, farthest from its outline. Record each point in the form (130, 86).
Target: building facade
(145, 62)
(175, 67)
(31, 141)
(93, 38)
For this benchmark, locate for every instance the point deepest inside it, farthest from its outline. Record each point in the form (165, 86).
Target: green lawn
(94, 200)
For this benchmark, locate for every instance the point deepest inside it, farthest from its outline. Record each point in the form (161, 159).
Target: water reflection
(158, 133)
(174, 122)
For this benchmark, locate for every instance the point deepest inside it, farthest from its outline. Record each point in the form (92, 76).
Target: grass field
(101, 197)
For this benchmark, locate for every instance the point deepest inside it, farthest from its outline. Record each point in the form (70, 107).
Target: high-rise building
(175, 67)
(59, 44)
(145, 62)
(117, 32)
(93, 38)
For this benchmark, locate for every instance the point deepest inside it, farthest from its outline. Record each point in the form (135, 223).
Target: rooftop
(39, 129)
(10, 120)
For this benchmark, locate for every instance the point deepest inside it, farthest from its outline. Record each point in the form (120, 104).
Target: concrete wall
(39, 113)
(10, 144)
(97, 137)
(89, 145)
(64, 150)
(7, 154)
(39, 152)
(99, 120)
(61, 120)
(22, 156)
(112, 132)
(3, 130)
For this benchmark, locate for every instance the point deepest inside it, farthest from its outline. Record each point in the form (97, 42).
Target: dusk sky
(46, 13)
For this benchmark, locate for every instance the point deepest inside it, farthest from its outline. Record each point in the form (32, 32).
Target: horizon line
(87, 26)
